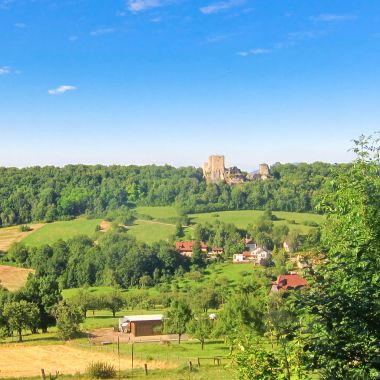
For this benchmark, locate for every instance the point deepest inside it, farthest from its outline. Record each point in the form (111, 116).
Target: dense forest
(53, 193)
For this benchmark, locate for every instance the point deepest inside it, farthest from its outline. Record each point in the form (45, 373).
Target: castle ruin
(214, 171)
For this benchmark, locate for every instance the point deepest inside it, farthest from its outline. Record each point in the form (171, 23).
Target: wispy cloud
(328, 17)
(20, 25)
(221, 6)
(61, 90)
(4, 4)
(257, 51)
(5, 70)
(142, 5)
(101, 32)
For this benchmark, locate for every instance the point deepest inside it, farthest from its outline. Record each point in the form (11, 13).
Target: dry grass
(22, 361)
(10, 235)
(13, 278)
(105, 225)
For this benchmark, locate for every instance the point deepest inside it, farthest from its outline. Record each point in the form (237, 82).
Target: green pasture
(151, 231)
(242, 218)
(65, 230)
(161, 212)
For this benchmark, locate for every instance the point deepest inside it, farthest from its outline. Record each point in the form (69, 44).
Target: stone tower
(264, 171)
(213, 169)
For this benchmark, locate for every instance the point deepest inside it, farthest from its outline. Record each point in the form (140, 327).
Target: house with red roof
(185, 248)
(289, 282)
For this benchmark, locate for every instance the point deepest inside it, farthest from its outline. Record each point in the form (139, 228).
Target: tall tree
(177, 318)
(21, 315)
(344, 300)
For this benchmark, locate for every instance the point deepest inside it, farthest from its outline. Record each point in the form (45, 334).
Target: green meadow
(156, 229)
(65, 230)
(151, 231)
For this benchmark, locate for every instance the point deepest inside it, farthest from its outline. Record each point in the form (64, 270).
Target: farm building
(141, 325)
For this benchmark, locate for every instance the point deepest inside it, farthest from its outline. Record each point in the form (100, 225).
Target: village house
(249, 244)
(215, 252)
(242, 258)
(260, 256)
(185, 248)
(289, 282)
(141, 325)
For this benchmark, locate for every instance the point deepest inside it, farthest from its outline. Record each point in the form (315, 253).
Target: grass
(150, 231)
(161, 212)
(13, 278)
(10, 235)
(52, 232)
(244, 217)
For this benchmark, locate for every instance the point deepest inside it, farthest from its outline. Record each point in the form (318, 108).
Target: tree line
(52, 193)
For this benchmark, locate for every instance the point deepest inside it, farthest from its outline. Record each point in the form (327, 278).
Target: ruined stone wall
(214, 169)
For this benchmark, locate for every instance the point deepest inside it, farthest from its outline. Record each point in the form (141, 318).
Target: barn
(141, 325)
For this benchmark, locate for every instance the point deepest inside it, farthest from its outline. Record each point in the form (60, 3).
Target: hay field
(64, 230)
(13, 278)
(10, 235)
(27, 361)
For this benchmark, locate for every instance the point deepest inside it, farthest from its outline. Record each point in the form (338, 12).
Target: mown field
(154, 224)
(52, 232)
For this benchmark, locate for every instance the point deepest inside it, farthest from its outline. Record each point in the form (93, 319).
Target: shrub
(24, 228)
(101, 370)
(310, 223)
(291, 221)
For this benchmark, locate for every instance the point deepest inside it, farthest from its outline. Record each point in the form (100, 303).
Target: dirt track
(19, 361)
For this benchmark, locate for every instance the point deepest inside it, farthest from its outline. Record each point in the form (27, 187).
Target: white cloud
(221, 6)
(257, 51)
(5, 70)
(101, 32)
(142, 5)
(20, 25)
(61, 90)
(326, 17)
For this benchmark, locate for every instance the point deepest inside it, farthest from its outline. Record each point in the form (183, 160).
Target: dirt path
(19, 361)
(10, 235)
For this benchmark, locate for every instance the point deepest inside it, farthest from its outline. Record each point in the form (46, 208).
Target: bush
(24, 228)
(291, 221)
(101, 370)
(310, 223)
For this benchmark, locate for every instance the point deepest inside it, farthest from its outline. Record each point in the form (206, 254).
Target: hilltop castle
(214, 171)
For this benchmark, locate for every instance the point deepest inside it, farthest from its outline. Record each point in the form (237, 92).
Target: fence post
(199, 362)
(146, 369)
(43, 374)
(190, 366)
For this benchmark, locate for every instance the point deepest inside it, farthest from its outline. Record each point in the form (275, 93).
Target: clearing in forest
(64, 230)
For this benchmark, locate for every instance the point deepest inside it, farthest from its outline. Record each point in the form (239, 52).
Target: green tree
(69, 317)
(21, 315)
(255, 362)
(343, 302)
(45, 294)
(177, 318)
(114, 301)
(200, 327)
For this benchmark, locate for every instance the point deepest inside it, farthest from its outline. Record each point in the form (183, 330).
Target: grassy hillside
(151, 231)
(52, 232)
(154, 230)
(242, 218)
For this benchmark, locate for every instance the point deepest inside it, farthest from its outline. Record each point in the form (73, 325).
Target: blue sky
(172, 81)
